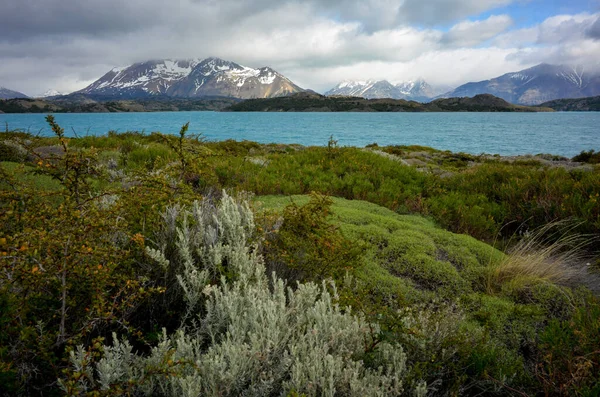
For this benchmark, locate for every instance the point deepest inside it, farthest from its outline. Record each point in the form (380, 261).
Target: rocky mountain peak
(371, 89)
(192, 78)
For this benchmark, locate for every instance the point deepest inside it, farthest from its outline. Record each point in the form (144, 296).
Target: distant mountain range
(212, 78)
(536, 85)
(531, 86)
(192, 78)
(417, 90)
(5, 93)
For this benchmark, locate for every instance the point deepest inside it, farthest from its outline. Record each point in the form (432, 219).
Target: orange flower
(138, 239)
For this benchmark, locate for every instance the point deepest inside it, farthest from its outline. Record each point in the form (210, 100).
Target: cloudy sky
(67, 44)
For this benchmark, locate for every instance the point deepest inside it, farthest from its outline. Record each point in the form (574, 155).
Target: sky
(67, 44)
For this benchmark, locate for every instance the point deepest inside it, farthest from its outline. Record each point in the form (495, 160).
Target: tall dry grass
(551, 254)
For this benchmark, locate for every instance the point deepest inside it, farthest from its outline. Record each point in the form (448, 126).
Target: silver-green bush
(247, 334)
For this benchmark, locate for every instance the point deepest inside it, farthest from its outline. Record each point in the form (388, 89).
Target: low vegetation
(311, 102)
(92, 104)
(590, 104)
(135, 264)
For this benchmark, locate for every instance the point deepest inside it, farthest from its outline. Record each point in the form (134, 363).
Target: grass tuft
(550, 254)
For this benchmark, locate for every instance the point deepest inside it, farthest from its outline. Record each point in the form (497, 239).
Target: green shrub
(307, 246)
(591, 157)
(10, 151)
(569, 354)
(149, 157)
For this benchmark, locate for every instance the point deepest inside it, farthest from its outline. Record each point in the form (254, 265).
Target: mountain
(369, 89)
(417, 90)
(536, 85)
(5, 93)
(191, 78)
(51, 93)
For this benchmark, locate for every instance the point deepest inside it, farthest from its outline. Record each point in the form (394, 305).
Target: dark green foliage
(487, 200)
(11, 153)
(591, 157)
(308, 247)
(591, 104)
(307, 102)
(570, 353)
(493, 198)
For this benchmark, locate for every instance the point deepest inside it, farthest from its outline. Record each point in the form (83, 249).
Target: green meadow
(151, 264)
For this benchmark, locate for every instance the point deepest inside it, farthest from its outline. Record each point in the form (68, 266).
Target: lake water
(564, 134)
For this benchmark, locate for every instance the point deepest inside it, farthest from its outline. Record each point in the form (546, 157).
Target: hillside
(591, 104)
(5, 93)
(84, 104)
(305, 102)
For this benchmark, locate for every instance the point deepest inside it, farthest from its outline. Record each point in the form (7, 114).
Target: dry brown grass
(551, 254)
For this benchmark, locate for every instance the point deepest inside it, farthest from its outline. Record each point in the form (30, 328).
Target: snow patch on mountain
(51, 93)
(536, 85)
(192, 78)
(411, 89)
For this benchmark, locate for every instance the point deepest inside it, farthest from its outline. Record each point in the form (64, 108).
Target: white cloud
(472, 33)
(315, 43)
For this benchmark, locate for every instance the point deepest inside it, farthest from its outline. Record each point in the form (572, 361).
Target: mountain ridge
(418, 90)
(6, 93)
(191, 78)
(535, 85)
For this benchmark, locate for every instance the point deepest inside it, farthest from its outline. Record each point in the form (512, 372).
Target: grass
(407, 259)
(548, 255)
(25, 175)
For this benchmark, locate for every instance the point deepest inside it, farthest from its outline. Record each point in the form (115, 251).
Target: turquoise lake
(562, 133)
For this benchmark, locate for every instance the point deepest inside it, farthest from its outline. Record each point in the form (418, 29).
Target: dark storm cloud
(22, 19)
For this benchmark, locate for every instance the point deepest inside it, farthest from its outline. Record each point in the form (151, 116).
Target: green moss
(406, 257)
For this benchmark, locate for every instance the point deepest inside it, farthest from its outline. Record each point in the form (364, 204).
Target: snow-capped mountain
(192, 78)
(5, 93)
(417, 90)
(536, 85)
(51, 93)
